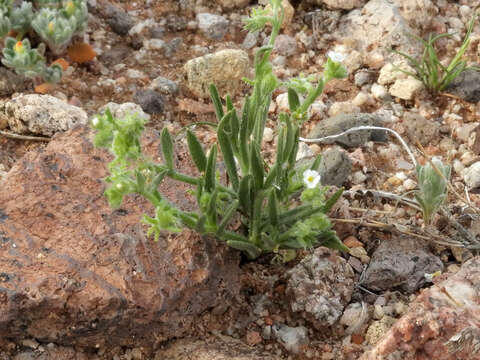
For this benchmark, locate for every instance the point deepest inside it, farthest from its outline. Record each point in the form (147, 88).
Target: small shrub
(430, 71)
(274, 206)
(55, 22)
(432, 183)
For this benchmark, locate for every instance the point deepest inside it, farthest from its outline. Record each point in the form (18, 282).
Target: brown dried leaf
(81, 52)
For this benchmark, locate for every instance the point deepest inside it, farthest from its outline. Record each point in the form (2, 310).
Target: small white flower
(311, 178)
(95, 121)
(119, 186)
(336, 56)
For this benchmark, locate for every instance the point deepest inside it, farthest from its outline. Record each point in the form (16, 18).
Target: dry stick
(386, 195)
(23, 137)
(380, 225)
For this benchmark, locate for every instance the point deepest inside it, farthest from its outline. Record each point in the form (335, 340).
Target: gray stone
(324, 21)
(466, 86)
(292, 338)
(40, 114)
(164, 86)
(335, 167)
(213, 26)
(115, 55)
(117, 18)
(320, 287)
(251, 40)
(340, 123)
(279, 61)
(420, 129)
(285, 45)
(224, 68)
(11, 82)
(379, 25)
(176, 23)
(401, 264)
(362, 77)
(151, 101)
(172, 46)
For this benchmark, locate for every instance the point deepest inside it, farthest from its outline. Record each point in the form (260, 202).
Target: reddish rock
(253, 338)
(442, 324)
(75, 272)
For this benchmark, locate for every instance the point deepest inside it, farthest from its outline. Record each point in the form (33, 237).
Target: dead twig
(410, 202)
(23, 137)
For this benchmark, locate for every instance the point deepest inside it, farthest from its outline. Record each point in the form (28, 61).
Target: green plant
(55, 22)
(432, 183)
(430, 71)
(28, 62)
(263, 199)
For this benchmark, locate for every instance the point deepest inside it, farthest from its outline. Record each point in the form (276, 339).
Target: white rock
(405, 88)
(465, 12)
(282, 102)
(379, 25)
(409, 184)
(379, 92)
(418, 13)
(458, 166)
(292, 338)
(224, 68)
(455, 23)
(352, 314)
(40, 114)
(304, 151)
(140, 26)
(154, 44)
(343, 107)
(401, 175)
(267, 134)
(317, 109)
(378, 312)
(467, 158)
(472, 175)
(390, 72)
(121, 110)
(358, 177)
(135, 74)
(353, 61)
(361, 99)
(463, 132)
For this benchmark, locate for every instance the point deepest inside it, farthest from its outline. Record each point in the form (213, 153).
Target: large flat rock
(75, 272)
